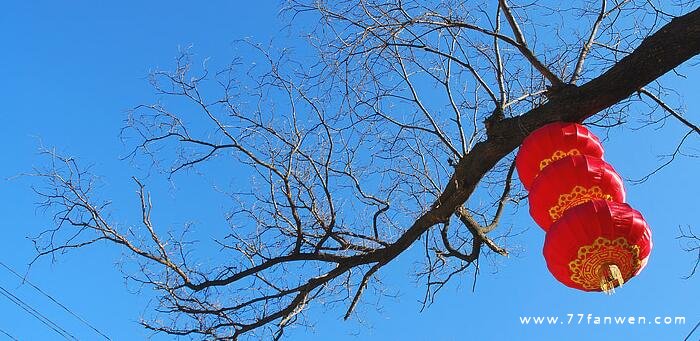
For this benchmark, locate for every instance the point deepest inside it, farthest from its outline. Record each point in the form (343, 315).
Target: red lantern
(569, 182)
(598, 246)
(552, 142)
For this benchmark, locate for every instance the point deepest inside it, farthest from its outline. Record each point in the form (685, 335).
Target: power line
(45, 320)
(8, 335)
(24, 280)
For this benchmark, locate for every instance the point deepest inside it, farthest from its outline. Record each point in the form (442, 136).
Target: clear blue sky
(69, 72)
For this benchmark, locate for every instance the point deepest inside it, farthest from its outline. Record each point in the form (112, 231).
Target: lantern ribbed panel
(571, 181)
(550, 143)
(595, 234)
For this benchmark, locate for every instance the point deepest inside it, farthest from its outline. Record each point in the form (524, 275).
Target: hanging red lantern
(552, 142)
(598, 246)
(569, 182)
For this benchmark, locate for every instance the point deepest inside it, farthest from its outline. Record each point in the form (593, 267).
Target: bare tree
(405, 110)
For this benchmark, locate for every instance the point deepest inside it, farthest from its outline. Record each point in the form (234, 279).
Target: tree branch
(668, 109)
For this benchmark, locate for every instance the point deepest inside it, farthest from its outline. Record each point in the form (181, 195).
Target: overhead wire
(39, 316)
(54, 300)
(8, 335)
(692, 331)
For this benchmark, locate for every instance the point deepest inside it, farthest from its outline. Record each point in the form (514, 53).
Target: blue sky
(70, 72)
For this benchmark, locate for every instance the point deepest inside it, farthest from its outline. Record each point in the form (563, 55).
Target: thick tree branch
(673, 44)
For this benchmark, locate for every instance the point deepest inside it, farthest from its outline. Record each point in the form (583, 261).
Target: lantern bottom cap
(610, 277)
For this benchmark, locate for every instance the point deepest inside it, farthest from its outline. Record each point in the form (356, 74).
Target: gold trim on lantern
(558, 155)
(589, 266)
(577, 196)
